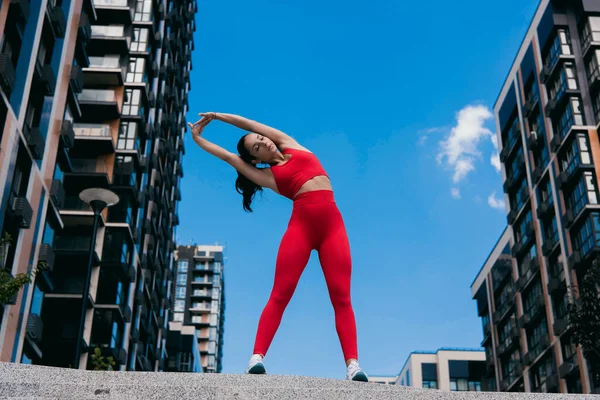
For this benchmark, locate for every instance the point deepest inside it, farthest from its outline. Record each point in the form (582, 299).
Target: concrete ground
(19, 381)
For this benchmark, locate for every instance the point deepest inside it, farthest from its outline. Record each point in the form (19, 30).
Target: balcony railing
(88, 166)
(111, 3)
(92, 130)
(537, 349)
(108, 31)
(109, 62)
(98, 95)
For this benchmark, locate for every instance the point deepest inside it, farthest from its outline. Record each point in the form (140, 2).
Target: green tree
(584, 317)
(101, 363)
(9, 285)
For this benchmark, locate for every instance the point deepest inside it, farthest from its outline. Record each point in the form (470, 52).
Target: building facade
(182, 347)
(93, 94)
(444, 369)
(199, 299)
(547, 118)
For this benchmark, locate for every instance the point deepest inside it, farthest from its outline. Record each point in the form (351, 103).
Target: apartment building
(93, 95)
(199, 299)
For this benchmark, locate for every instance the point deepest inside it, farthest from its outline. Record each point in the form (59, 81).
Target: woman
(315, 224)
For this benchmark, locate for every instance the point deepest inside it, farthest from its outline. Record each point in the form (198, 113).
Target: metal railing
(108, 31)
(100, 95)
(105, 62)
(92, 130)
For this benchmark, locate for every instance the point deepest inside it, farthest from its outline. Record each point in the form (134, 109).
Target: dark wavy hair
(243, 185)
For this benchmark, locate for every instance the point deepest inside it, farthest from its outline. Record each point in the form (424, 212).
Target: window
(571, 116)
(136, 71)
(583, 193)
(512, 133)
(127, 136)
(182, 279)
(560, 46)
(179, 305)
(590, 32)
(140, 39)
(178, 317)
(182, 266)
(593, 69)
(530, 298)
(180, 292)
(464, 385)
(521, 196)
(567, 80)
(143, 10)
(523, 226)
(536, 335)
(541, 371)
(196, 319)
(546, 193)
(550, 230)
(577, 153)
(132, 102)
(430, 384)
(588, 235)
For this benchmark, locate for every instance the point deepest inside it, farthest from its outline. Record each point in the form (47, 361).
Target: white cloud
(425, 133)
(455, 192)
(459, 151)
(494, 202)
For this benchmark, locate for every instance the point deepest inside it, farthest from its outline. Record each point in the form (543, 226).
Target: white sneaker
(354, 373)
(256, 366)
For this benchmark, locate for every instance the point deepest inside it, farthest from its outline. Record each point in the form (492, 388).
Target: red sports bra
(295, 172)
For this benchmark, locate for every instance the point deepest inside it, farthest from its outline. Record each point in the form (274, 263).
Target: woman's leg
(334, 254)
(293, 255)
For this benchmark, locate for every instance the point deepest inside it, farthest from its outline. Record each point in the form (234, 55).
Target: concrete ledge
(36, 382)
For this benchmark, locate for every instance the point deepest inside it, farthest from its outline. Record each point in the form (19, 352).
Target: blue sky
(394, 98)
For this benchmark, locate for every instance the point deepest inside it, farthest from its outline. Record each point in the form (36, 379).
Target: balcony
(515, 177)
(550, 244)
(556, 57)
(75, 246)
(523, 240)
(86, 173)
(56, 17)
(115, 11)
(557, 282)
(109, 40)
(560, 99)
(67, 134)
(508, 381)
(514, 135)
(561, 325)
(35, 141)
(502, 309)
(534, 352)
(531, 103)
(118, 354)
(117, 306)
(545, 208)
(92, 140)
(511, 340)
(104, 71)
(536, 310)
(566, 178)
(44, 79)
(118, 264)
(35, 330)
(20, 211)
(7, 73)
(529, 270)
(46, 256)
(99, 104)
(569, 367)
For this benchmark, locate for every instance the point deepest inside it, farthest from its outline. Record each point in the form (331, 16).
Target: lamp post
(98, 199)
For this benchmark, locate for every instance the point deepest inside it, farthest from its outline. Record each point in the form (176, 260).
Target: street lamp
(98, 199)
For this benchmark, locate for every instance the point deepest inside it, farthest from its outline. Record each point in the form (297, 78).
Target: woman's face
(260, 147)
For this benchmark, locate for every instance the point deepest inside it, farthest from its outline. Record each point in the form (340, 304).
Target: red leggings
(316, 224)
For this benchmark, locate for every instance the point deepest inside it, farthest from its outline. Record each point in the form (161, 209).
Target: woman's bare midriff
(317, 183)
